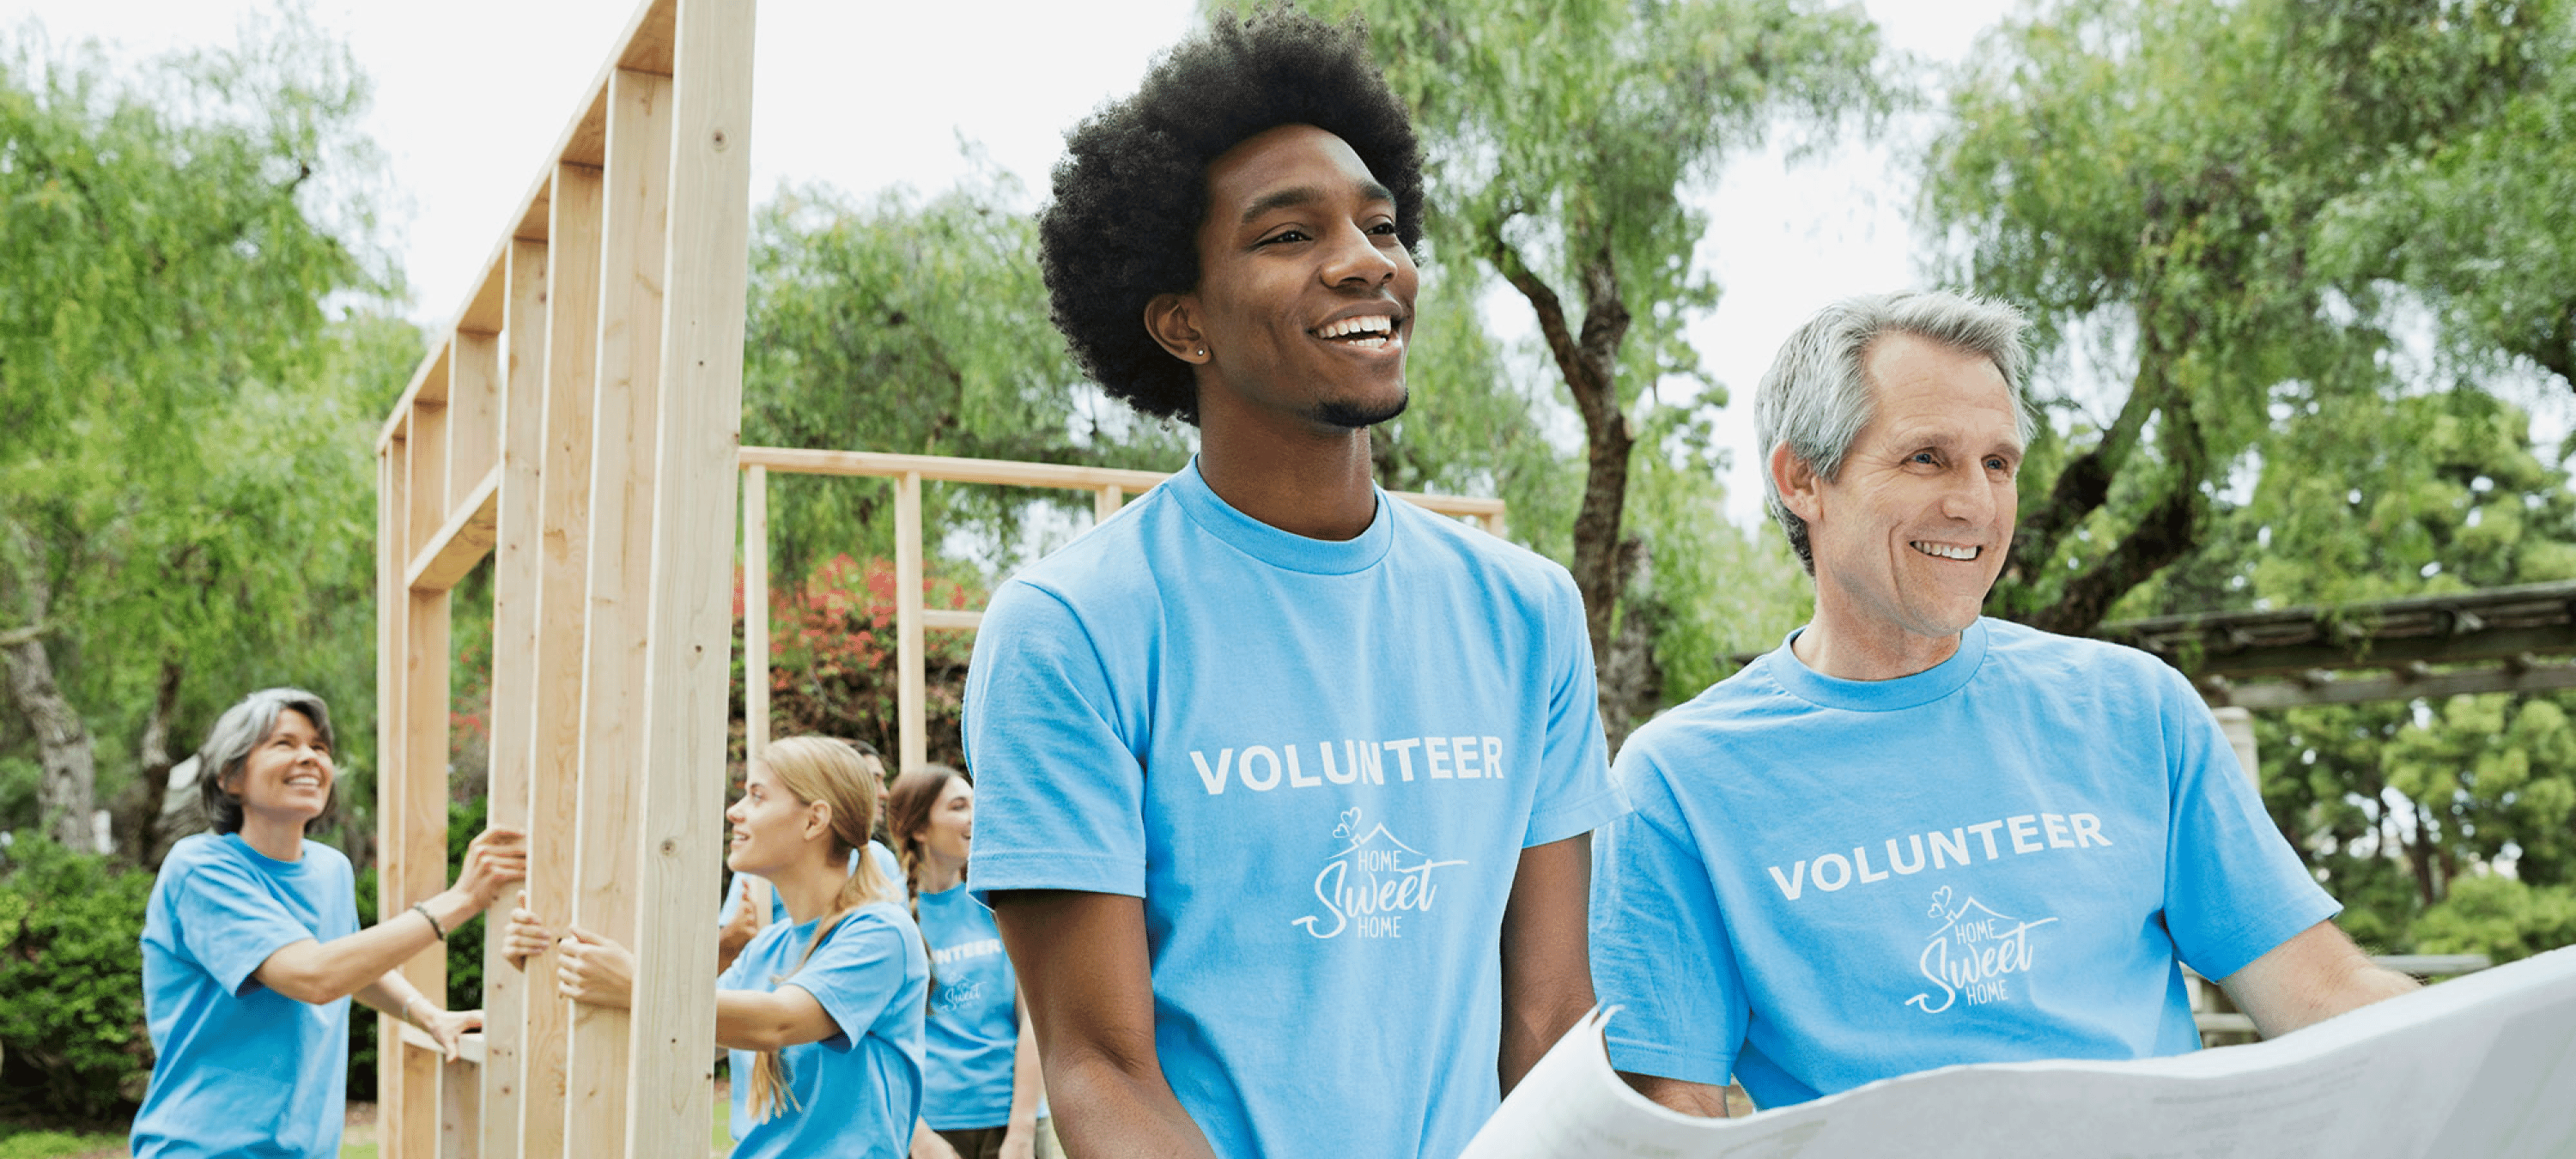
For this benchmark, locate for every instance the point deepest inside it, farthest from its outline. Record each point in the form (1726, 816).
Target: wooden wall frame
(578, 422)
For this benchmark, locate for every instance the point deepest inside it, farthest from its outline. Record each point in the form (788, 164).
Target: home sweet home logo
(1370, 886)
(1973, 955)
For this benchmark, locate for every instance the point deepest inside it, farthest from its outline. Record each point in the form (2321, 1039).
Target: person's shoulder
(2051, 660)
(1445, 539)
(1740, 706)
(1103, 569)
(326, 857)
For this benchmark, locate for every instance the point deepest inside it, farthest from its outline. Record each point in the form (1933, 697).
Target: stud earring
(1203, 352)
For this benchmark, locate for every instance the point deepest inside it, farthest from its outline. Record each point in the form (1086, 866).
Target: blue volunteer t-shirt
(858, 1091)
(240, 1069)
(1828, 882)
(1317, 762)
(877, 852)
(974, 1028)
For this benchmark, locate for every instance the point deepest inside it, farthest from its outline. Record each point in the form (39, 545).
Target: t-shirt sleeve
(1059, 792)
(1575, 794)
(1659, 950)
(2234, 888)
(230, 923)
(855, 972)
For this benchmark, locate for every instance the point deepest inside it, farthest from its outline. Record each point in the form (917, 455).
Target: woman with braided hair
(980, 1092)
(822, 1012)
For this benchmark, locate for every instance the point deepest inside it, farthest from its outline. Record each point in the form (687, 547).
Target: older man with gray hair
(1910, 836)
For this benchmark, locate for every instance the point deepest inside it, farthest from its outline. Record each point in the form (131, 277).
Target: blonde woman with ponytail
(823, 1011)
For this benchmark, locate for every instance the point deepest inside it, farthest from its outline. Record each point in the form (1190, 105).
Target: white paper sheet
(2481, 1067)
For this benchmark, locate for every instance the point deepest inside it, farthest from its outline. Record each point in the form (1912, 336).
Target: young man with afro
(1285, 786)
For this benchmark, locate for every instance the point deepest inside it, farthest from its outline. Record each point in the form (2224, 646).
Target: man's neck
(1831, 646)
(1310, 482)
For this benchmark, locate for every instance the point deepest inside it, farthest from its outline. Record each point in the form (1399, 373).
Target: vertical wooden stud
(688, 657)
(516, 577)
(619, 583)
(913, 729)
(417, 854)
(473, 414)
(393, 535)
(460, 1110)
(1106, 503)
(571, 366)
(755, 611)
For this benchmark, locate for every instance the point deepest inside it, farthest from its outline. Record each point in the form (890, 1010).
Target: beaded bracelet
(434, 927)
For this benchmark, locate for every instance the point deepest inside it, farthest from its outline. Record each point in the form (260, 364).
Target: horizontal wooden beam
(944, 619)
(2327, 688)
(469, 1046)
(462, 542)
(999, 472)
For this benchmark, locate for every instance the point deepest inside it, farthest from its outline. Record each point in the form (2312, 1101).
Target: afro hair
(1131, 192)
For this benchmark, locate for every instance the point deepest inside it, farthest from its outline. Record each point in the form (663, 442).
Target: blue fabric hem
(1647, 1059)
(1042, 869)
(2257, 938)
(1575, 820)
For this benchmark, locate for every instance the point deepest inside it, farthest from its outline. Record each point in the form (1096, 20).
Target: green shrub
(2500, 917)
(71, 981)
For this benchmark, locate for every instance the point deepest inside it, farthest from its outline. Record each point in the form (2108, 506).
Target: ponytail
(908, 807)
(815, 768)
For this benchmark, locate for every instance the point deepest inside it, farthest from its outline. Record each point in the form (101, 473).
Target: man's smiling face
(1305, 297)
(1912, 535)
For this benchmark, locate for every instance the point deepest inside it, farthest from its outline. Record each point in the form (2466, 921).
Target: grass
(53, 1144)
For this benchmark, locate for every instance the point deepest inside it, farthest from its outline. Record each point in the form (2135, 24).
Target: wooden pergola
(2495, 640)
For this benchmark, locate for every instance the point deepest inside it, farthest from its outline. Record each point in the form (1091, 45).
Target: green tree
(917, 325)
(2146, 179)
(1566, 138)
(175, 493)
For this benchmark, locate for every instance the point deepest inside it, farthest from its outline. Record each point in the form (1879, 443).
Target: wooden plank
(460, 1109)
(571, 365)
(912, 730)
(472, 1048)
(489, 304)
(456, 547)
(886, 465)
(689, 656)
(619, 581)
(1107, 502)
(409, 1124)
(426, 488)
(651, 46)
(755, 612)
(473, 414)
(393, 509)
(428, 384)
(1058, 476)
(948, 620)
(516, 578)
(2366, 689)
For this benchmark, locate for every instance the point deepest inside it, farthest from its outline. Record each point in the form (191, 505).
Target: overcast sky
(470, 93)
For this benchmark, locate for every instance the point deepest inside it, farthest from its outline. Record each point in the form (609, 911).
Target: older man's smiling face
(1912, 535)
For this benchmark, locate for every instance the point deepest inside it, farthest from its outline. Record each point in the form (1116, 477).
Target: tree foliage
(2147, 179)
(185, 499)
(917, 325)
(1566, 138)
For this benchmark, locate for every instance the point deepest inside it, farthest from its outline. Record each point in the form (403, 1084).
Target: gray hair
(1816, 398)
(236, 732)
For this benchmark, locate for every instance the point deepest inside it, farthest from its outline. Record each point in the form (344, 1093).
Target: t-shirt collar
(1282, 549)
(1921, 688)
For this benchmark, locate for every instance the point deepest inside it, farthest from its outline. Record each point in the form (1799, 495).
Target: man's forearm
(1107, 1111)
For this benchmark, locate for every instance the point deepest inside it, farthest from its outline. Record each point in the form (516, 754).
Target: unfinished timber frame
(578, 423)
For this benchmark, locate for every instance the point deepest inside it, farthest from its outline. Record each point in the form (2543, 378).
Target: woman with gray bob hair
(252, 951)
(1816, 398)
